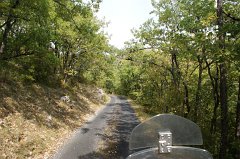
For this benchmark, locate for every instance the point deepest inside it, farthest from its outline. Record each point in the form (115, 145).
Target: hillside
(34, 121)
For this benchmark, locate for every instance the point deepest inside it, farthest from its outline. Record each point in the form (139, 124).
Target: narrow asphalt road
(105, 136)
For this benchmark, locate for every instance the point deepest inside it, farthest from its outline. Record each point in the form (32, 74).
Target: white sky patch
(123, 16)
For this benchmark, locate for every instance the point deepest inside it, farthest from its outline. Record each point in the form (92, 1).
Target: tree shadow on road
(94, 155)
(116, 136)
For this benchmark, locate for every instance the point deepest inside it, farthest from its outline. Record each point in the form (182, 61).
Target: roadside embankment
(35, 120)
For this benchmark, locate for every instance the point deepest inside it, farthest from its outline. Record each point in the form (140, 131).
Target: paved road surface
(105, 136)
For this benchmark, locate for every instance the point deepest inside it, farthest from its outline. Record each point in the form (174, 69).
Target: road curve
(117, 117)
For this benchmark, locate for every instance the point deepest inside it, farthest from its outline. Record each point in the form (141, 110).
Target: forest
(185, 59)
(50, 40)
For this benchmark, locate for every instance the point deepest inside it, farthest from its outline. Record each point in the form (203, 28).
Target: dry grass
(140, 112)
(34, 122)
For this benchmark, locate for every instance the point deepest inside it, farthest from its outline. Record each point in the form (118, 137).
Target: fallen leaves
(35, 123)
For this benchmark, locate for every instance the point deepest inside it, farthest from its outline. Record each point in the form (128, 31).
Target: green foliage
(50, 40)
(172, 66)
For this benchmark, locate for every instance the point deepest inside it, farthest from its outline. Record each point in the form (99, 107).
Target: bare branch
(232, 17)
(194, 70)
(3, 24)
(16, 56)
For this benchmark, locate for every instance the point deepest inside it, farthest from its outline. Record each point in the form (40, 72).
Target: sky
(123, 16)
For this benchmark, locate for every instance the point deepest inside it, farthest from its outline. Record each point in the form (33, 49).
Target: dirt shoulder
(140, 111)
(34, 121)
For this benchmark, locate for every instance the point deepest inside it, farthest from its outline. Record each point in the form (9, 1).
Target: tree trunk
(217, 100)
(237, 131)
(179, 76)
(199, 88)
(237, 128)
(9, 24)
(224, 112)
(186, 99)
(215, 93)
(174, 78)
(223, 85)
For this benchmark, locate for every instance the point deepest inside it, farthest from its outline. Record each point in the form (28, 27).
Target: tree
(51, 37)
(185, 61)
